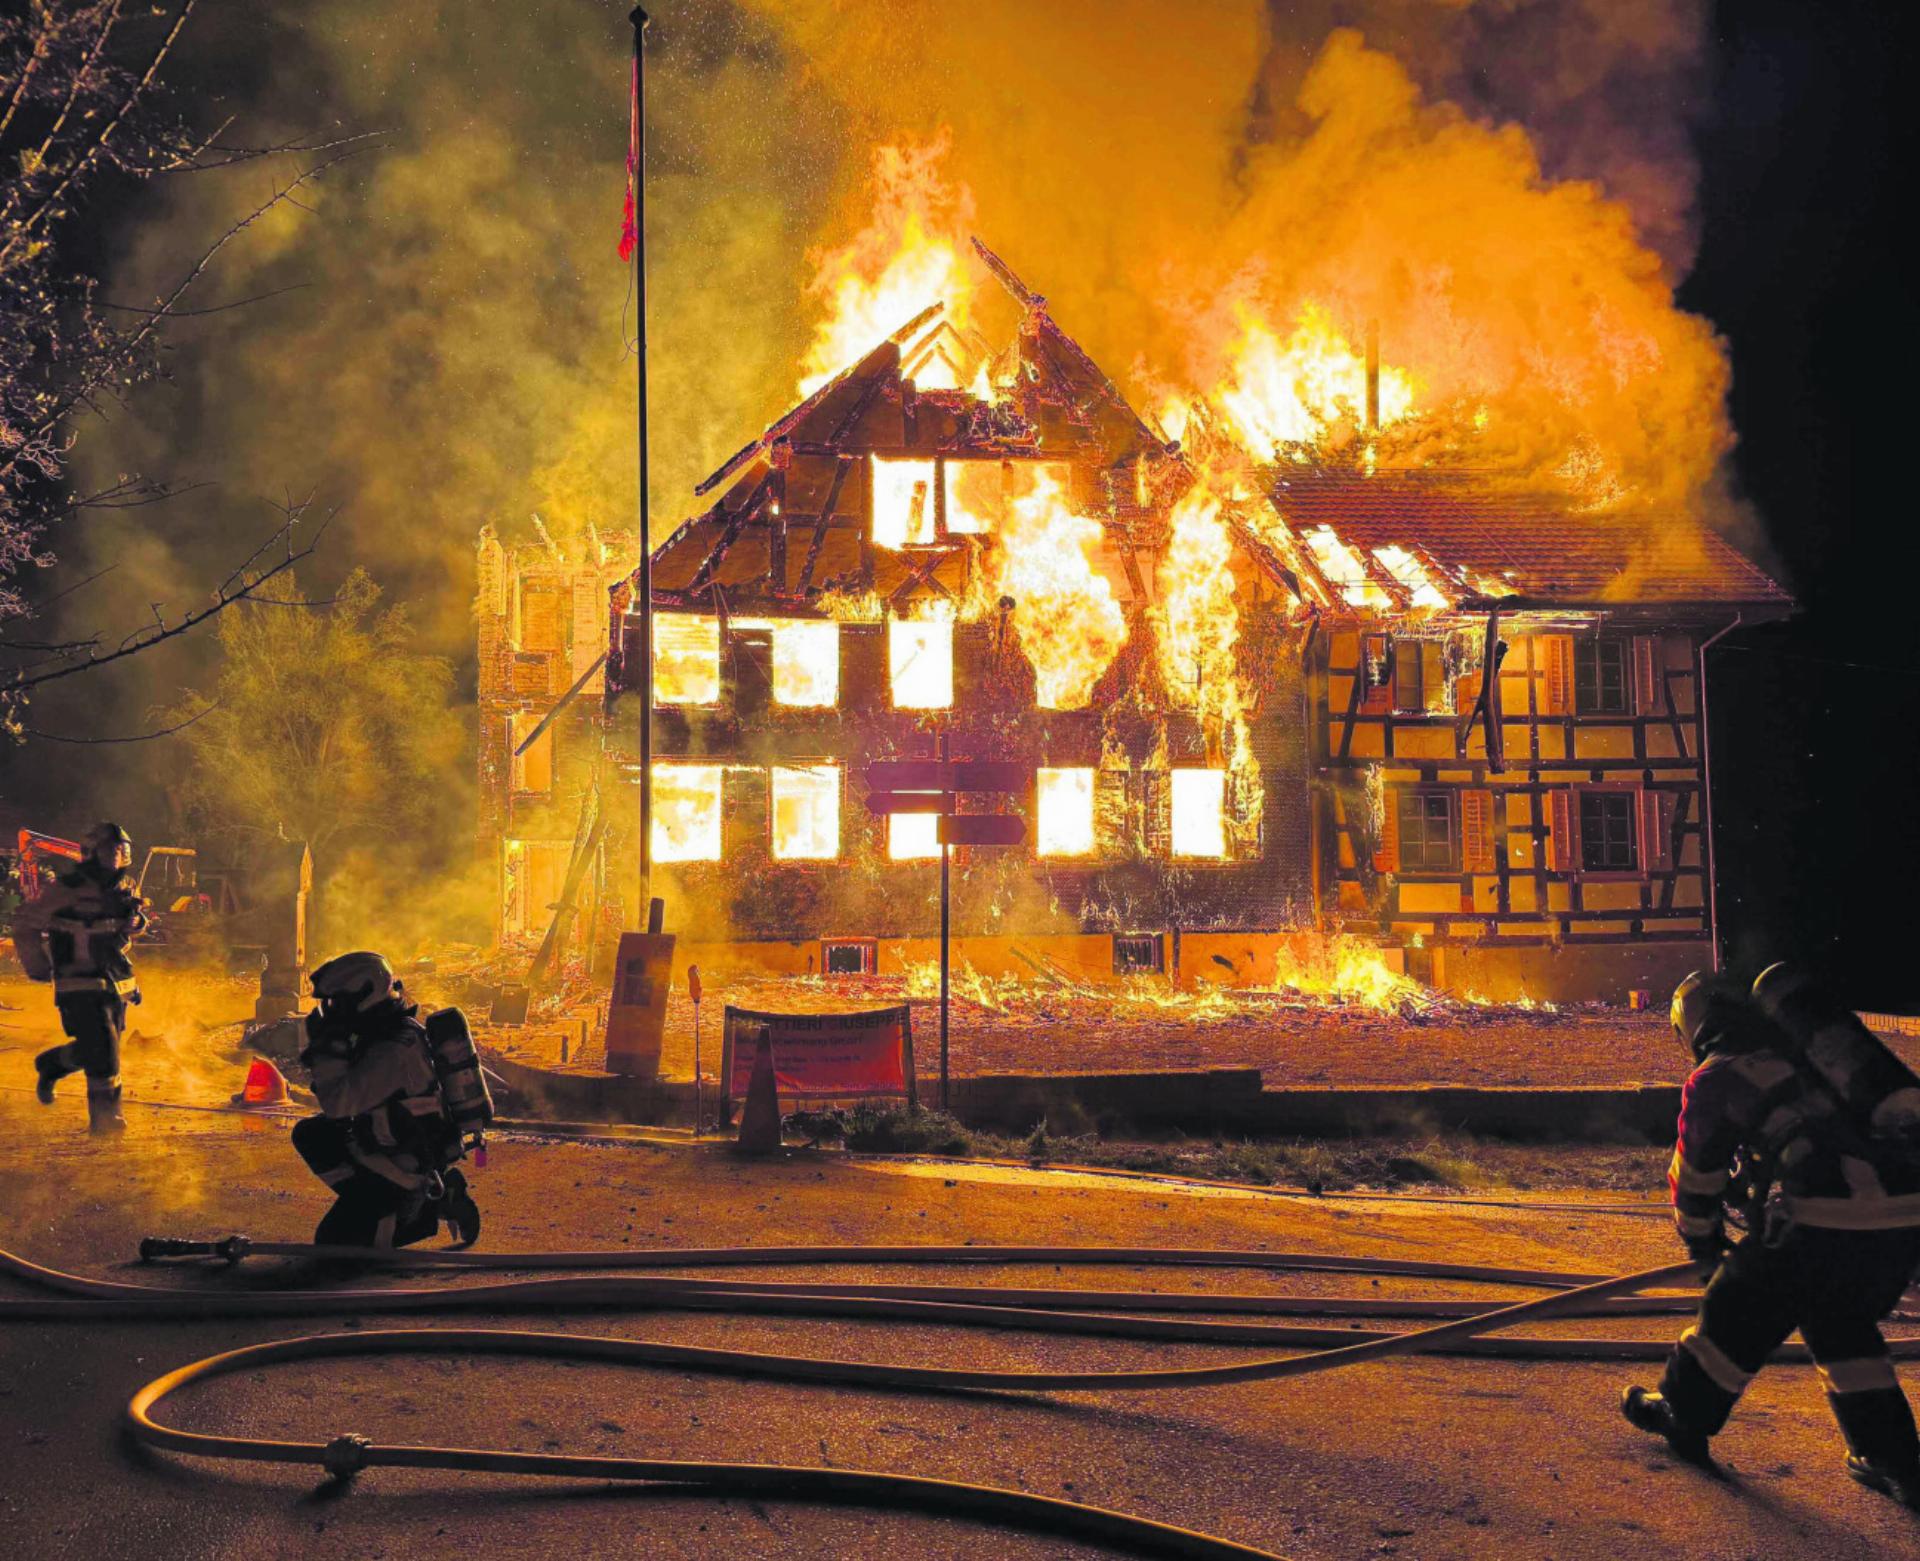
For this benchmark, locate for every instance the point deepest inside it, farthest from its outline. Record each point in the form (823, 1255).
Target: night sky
(1813, 721)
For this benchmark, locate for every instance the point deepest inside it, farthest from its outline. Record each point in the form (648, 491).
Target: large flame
(1280, 395)
(1198, 624)
(908, 256)
(1349, 970)
(1068, 621)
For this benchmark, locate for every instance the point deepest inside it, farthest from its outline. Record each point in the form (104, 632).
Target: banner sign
(822, 1056)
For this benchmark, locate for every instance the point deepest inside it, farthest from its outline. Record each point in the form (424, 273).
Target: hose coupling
(152, 1247)
(346, 1455)
(233, 1248)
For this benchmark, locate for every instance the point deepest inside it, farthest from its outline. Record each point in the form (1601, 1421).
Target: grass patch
(1455, 1161)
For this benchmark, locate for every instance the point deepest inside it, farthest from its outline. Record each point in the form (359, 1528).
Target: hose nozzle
(232, 1248)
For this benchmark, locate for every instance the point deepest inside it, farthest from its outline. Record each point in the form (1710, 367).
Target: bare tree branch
(132, 737)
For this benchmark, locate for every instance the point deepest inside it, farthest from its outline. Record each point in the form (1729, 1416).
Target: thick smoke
(1506, 186)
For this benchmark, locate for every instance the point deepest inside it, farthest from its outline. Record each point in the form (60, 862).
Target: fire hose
(1028, 1309)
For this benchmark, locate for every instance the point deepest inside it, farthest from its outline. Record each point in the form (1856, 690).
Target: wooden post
(638, 152)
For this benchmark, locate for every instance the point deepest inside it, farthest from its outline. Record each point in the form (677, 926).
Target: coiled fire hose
(1025, 1309)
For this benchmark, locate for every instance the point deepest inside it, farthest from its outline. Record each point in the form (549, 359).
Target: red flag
(629, 228)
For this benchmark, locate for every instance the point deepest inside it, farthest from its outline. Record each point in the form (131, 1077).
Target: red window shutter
(1562, 847)
(1466, 692)
(1647, 682)
(1556, 687)
(1656, 831)
(1476, 831)
(1433, 675)
(1387, 858)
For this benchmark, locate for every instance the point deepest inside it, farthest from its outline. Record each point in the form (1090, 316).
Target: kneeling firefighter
(401, 1103)
(90, 915)
(1796, 1111)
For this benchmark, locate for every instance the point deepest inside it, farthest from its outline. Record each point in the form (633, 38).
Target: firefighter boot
(52, 1065)
(459, 1210)
(1651, 1412)
(103, 1108)
(1902, 1484)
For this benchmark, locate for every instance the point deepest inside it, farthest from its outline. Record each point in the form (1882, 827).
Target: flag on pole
(629, 228)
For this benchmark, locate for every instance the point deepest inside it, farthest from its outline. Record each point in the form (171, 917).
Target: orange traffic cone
(265, 1086)
(760, 1117)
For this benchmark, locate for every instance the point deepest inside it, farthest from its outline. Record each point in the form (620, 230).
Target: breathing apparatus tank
(456, 1062)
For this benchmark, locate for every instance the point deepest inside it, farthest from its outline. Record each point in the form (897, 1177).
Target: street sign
(982, 829)
(945, 775)
(882, 803)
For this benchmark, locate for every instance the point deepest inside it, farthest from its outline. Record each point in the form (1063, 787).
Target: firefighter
(387, 1140)
(91, 914)
(1796, 1110)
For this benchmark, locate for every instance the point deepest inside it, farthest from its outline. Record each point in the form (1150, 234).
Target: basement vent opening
(1138, 953)
(848, 956)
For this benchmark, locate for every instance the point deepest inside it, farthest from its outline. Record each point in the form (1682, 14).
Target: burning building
(1265, 699)
(541, 623)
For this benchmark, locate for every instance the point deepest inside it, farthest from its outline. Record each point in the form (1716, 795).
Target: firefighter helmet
(353, 983)
(1781, 987)
(108, 834)
(1694, 1001)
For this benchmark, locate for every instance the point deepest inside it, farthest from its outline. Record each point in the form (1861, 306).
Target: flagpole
(637, 171)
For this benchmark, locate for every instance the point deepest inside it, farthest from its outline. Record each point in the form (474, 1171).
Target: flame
(910, 254)
(1064, 812)
(686, 659)
(1198, 627)
(806, 812)
(1279, 395)
(920, 659)
(806, 663)
(912, 837)
(903, 501)
(1348, 969)
(1199, 812)
(686, 812)
(1065, 615)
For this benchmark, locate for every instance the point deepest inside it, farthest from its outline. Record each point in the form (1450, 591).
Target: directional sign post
(935, 786)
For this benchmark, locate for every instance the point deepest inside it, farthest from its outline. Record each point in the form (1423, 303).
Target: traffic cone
(265, 1086)
(760, 1118)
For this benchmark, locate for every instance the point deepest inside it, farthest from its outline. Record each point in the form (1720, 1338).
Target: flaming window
(976, 495)
(902, 502)
(913, 836)
(1065, 810)
(686, 812)
(1199, 812)
(686, 659)
(806, 663)
(806, 812)
(920, 663)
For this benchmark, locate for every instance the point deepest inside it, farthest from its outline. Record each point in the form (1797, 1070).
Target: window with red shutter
(1649, 688)
(1387, 858)
(1657, 809)
(1476, 832)
(1563, 842)
(1555, 655)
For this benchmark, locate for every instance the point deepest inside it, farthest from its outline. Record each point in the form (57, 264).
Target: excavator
(186, 915)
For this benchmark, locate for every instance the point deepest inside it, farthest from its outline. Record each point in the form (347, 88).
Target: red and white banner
(822, 1056)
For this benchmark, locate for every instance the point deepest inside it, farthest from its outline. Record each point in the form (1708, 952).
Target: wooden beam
(840, 470)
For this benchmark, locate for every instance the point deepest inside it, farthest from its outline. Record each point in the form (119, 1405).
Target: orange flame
(908, 256)
(1065, 614)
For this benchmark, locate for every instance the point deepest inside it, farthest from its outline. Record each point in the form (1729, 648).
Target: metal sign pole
(946, 929)
(638, 154)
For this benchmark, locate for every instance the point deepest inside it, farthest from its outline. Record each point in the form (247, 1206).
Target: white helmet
(353, 983)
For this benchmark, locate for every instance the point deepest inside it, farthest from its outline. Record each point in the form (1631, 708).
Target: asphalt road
(1428, 1457)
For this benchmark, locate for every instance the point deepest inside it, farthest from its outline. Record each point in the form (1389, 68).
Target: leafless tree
(84, 116)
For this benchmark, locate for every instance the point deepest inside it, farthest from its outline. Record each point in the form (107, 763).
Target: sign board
(637, 1009)
(881, 803)
(981, 829)
(946, 775)
(821, 1056)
